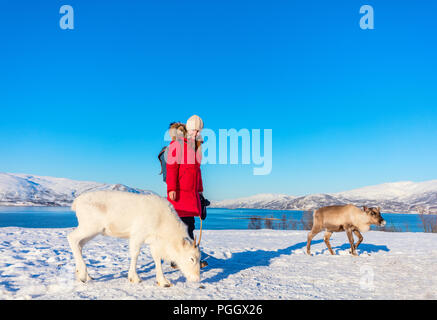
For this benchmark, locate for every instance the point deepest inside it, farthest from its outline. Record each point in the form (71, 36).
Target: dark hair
(172, 123)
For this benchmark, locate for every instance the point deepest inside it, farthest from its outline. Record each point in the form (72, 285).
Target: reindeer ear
(186, 241)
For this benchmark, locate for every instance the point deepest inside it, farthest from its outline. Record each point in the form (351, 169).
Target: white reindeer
(141, 218)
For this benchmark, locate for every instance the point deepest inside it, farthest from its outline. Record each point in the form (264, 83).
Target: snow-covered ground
(243, 264)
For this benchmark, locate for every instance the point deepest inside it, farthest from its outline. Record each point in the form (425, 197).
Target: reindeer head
(189, 259)
(374, 215)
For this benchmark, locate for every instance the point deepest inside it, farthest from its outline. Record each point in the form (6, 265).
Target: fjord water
(217, 219)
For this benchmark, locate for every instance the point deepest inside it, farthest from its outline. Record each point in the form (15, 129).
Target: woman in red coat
(184, 178)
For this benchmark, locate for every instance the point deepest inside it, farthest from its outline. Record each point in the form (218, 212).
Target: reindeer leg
(326, 238)
(360, 238)
(351, 241)
(310, 237)
(134, 250)
(77, 239)
(160, 279)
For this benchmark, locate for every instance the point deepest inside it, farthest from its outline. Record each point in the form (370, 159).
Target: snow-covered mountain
(402, 197)
(30, 190)
(264, 200)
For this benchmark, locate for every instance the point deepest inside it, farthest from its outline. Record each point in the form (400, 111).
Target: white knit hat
(194, 123)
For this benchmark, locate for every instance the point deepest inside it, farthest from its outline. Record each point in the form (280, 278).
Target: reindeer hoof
(82, 277)
(134, 278)
(165, 284)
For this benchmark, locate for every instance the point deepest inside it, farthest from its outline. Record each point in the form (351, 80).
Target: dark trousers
(189, 221)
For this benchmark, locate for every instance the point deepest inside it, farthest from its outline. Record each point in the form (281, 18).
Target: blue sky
(348, 107)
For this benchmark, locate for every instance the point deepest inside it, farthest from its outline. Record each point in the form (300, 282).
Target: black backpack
(162, 157)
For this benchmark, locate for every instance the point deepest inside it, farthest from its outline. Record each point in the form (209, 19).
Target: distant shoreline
(285, 210)
(33, 205)
(295, 210)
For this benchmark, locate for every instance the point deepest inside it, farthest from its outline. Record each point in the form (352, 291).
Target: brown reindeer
(347, 218)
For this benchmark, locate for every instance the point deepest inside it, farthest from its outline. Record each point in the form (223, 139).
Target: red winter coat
(184, 177)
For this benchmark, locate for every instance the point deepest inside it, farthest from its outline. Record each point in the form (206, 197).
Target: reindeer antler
(195, 243)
